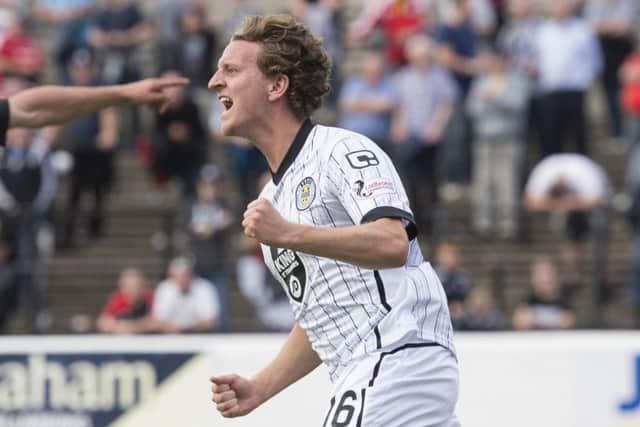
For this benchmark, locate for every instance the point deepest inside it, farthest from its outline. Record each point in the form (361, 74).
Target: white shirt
(201, 303)
(331, 177)
(569, 56)
(583, 176)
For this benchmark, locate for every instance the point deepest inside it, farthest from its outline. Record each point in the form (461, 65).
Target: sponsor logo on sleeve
(372, 188)
(362, 159)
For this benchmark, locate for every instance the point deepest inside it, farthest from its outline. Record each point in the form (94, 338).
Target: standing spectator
(180, 144)
(209, 227)
(20, 54)
(366, 101)
(569, 62)
(92, 142)
(454, 280)
(184, 303)
(398, 19)
(8, 283)
(517, 38)
(128, 310)
(614, 22)
(633, 186)
(69, 21)
(575, 190)
(546, 307)
(630, 80)
(424, 98)
(166, 18)
(28, 185)
(497, 106)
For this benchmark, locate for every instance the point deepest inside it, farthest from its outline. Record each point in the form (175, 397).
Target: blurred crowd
(481, 104)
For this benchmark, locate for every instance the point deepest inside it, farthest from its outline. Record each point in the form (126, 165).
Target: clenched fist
(263, 223)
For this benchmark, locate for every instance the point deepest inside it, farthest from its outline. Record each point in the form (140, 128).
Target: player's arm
(236, 396)
(378, 244)
(51, 105)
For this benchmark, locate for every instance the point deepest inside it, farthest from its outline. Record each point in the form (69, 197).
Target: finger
(223, 379)
(248, 212)
(220, 388)
(223, 397)
(226, 406)
(167, 82)
(230, 413)
(258, 202)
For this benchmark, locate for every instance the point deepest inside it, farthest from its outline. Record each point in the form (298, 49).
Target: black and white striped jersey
(331, 177)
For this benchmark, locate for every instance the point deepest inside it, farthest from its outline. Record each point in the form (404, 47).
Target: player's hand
(234, 396)
(151, 91)
(263, 223)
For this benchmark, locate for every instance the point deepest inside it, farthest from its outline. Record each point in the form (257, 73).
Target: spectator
(630, 80)
(575, 191)
(20, 54)
(614, 22)
(633, 186)
(184, 303)
(27, 187)
(8, 11)
(424, 99)
(128, 310)
(482, 16)
(569, 61)
(166, 19)
(244, 159)
(454, 280)
(180, 143)
(8, 284)
(398, 19)
(262, 290)
(69, 21)
(497, 106)
(517, 39)
(92, 141)
(546, 307)
(480, 312)
(194, 52)
(366, 101)
(240, 10)
(209, 228)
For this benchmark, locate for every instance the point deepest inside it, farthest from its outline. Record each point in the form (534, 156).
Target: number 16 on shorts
(345, 410)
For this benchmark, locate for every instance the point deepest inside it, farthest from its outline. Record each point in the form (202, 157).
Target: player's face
(242, 88)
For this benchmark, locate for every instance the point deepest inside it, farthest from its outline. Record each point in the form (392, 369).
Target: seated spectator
(398, 19)
(92, 141)
(262, 290)
(497, 106)
(424, 96)
(614, 21)
(480, 312)
(184, 303)
(20, 54)
(454, 280)
(366, 101)
(630, 81)
(209, 226)
(180, 143)
(28, 185)
(546, 307)
(569, 59)
(68, 21)
(128, 310)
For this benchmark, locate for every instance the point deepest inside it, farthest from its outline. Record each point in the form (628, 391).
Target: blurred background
(514, 123)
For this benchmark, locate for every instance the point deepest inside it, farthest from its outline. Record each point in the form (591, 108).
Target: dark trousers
(563, 114)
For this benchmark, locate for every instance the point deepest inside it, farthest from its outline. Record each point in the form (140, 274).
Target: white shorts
(413, 385)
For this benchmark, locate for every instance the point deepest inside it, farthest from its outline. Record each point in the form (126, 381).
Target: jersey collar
(294, 149)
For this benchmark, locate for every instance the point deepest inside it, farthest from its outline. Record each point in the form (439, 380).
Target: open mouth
(227, 103)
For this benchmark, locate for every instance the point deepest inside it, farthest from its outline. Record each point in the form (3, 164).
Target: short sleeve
(4, 121)
(364, 181)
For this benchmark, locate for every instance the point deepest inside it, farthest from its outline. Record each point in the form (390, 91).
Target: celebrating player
(53, 105)
(337, 231)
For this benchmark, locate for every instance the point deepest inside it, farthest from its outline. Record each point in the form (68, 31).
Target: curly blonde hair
(290, 48)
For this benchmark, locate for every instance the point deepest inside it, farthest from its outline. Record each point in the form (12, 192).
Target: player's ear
(278, 87)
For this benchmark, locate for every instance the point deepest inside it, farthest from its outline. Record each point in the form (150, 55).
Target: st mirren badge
(305, 193)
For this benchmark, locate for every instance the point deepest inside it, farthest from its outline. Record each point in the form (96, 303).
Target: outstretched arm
(235, 396)
(52, 105)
